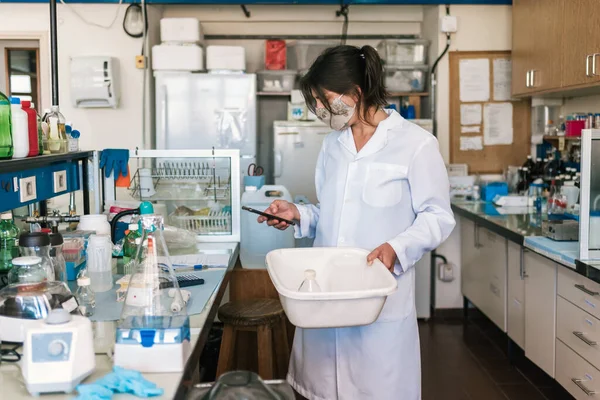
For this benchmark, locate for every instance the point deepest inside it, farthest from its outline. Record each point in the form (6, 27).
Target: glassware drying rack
(200, 189)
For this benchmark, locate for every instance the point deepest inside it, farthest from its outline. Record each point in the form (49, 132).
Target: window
(22, 66)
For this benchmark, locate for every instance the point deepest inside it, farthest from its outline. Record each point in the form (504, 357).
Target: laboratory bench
(175, 385)
(535, 290)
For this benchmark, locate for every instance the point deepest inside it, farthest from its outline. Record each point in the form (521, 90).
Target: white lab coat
(394, 190)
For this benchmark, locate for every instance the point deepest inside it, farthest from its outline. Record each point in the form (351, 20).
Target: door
(577, 32)
(297, 147)
(545, 56)
(540, 311)
(522, 45)
(516, 295)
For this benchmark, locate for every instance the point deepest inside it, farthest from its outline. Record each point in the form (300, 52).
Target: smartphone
(268, 216)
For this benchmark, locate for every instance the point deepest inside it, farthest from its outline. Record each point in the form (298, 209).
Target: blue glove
(93, 391)
(114, 160)
(122, 380)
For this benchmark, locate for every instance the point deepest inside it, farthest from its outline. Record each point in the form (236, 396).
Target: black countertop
(516, 227)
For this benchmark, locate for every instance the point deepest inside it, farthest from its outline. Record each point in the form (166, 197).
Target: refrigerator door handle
(161, 139)
(278, 164)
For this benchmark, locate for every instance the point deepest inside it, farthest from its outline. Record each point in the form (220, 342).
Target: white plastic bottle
(20, 130)
(310, 282)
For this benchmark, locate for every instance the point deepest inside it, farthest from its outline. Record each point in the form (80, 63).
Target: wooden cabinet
(522, 45)
(515, 307)
(576, 65)
(540, 310)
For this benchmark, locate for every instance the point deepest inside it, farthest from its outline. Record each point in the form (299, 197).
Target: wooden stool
(263, 316)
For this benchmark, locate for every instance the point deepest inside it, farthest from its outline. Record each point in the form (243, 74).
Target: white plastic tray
(353, 293)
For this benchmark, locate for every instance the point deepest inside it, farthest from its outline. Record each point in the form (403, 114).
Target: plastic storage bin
(302, 53)
(231, 58)
(180, 30)
(177, 57)
(409, 78)
(353, 293)
(403, 51)
(276, 81)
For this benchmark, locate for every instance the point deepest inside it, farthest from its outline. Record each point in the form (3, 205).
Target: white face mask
(342, 113)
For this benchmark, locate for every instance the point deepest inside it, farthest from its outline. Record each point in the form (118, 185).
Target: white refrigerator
(203, 110)
(297, 146)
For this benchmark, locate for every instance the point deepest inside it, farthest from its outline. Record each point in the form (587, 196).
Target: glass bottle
(27, 270)
(40, 132)
(85, 296)
(57, 136)
(6, 142)
(310, 284)
(37, 244)
(56, 254)
(132, 241)
(8, 236)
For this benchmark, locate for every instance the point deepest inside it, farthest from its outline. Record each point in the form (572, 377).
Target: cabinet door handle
(587, 65)
(585, 340)
(532, 78)
(527, 84)
(580, 385)
(586, 290)
(594, 63)
(522, 267)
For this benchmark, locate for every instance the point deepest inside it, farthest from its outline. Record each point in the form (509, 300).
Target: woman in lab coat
(382, 185)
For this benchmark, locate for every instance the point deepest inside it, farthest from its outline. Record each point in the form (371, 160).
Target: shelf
(24, 164)
(567, 138)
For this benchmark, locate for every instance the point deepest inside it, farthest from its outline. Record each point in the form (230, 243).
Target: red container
(34, 145)
(275, 54)
(574, 128)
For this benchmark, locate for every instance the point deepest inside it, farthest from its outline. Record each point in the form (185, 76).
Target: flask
(310, 284)
(27, 270)
(8, 236)
(20, 132)
(85, 296)
(6, 143)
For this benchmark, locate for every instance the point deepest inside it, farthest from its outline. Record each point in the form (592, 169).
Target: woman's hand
(386, 254)
(283, 209)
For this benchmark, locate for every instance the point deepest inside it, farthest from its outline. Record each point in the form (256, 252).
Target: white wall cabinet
(540, 311)
(516, 295)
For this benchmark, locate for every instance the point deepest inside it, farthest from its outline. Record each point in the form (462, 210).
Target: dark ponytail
(346, 70)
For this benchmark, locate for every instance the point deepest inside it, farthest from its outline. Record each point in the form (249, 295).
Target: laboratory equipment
(297, 145)
(461, 186)
(85, 296)
(242, 385)
(23, 304)
(589, 198)
(310, 285)
(276, 80)
(53, 220)
(180, 30)
(56, 139)
(154, 324)
(536, 196)
(225, 58)
(27, 270)
(200, 190)
(95, 82)
(32, 129)
(489, 190)
(8, 236)
(129, 246)
(97, 223)
(58, 353)
(403, 51)
(58, 259)
(561, 229)
(259, 239)
(99, 263)
(512, 200)
(6, 141)
(19, 127)
(406, 78)
(206, 111)
(353, 293)
(40, 132)
(545, 116)
(37, 244)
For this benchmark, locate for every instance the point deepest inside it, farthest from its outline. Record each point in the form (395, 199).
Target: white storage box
(177, 57)
(410, 78)
(276, 81)
(353, 293)
(180, 30)
(302, 53)
(231, 58)
(403, 51)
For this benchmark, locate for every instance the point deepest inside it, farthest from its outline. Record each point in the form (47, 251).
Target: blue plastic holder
(492, 189)
(256, 181)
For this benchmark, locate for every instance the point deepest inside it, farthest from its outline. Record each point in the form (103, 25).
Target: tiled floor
(468, 361)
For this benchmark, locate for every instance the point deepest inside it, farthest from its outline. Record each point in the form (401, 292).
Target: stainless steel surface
(561, 230)
(587, 65)
(579, 383)
(527, 79)
(586, 290)
(533, 78)
(585, 340)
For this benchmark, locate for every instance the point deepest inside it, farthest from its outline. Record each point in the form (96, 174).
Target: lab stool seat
(267, 319)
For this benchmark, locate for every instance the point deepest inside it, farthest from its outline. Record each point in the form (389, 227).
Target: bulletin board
(489, 130)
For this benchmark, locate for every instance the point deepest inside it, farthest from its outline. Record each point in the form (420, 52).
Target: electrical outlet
(140, 62)
(60, 181)
(449, 24)
(27, 189)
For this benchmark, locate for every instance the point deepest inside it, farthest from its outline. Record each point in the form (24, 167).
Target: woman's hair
(346, 70)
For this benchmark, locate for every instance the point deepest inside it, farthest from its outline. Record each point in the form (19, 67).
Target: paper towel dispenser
(94, 82)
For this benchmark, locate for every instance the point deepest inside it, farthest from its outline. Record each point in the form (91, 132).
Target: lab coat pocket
(400, 304)
(383, 184)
